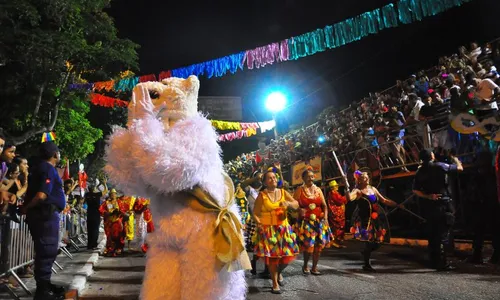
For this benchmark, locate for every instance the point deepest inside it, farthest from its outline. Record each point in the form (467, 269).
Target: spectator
(485, 91)
(93, 199)
(6, 157)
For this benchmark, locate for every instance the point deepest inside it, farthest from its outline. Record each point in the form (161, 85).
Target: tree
(44, 45)
(75, 135)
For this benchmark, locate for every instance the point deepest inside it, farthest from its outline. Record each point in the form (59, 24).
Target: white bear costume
(169, 148)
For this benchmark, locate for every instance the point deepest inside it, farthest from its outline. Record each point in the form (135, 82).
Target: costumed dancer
(313, 232)
(274, 239)
(242, 202)
(150, 227)
(336, 217)
(169, 153)
(370, 221)
(128, 222)
(143, 222)
(113, 210)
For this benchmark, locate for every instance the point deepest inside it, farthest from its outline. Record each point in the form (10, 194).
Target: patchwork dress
(274, 238)
(312, 230)
(369, 221)
(336, 217)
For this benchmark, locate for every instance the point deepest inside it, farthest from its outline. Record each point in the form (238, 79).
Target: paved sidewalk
(116, 278)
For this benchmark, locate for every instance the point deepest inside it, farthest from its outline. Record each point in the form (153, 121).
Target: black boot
(44, 292)
(443, 264)
(476, 258)
(366, 258)
(495, 258)
(57, 290)
(265, 273)
(254, 266)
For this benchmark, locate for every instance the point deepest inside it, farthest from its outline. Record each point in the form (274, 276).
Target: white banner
(221, 108)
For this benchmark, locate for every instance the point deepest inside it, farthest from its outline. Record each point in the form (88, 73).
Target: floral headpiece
(357, 174)
(275, 171)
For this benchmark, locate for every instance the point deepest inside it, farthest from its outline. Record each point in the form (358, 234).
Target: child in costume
(128, 202)
(113, 211)
(169, 154)
(143, 222)
(336, 218)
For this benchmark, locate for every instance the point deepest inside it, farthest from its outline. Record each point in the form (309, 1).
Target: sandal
(281, 281)
(277, 291)
(315, 272)
(306, 272)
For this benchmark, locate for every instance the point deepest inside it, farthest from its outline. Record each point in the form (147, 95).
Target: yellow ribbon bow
(229, 241)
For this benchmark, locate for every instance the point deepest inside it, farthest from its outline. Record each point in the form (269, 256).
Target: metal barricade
(17, 251)
(63, 235)
(77, 234)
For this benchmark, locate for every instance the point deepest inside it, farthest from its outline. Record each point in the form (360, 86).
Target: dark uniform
(93, 218)
(43, 221)
(485, 208)
(432, 178)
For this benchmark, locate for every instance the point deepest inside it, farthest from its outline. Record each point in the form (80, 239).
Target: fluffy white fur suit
(169, 147)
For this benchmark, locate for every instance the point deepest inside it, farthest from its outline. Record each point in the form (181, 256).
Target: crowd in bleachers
(463, 82)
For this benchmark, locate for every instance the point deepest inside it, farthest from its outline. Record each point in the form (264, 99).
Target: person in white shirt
(485, 91)
(251, 187)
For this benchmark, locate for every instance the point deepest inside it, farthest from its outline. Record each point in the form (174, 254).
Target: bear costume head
(171, 100)
(168, 146)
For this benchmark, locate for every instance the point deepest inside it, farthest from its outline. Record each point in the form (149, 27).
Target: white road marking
(340, 271)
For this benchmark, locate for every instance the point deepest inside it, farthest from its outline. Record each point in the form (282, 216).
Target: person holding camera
(432, 184)
(44, 201)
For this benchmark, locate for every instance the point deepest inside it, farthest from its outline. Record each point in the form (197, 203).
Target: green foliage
(75, 134)
(38, 38)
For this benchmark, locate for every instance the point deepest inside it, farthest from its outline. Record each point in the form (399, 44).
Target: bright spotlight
(276, 102)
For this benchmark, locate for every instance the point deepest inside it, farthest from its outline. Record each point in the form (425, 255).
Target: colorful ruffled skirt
(373, 227)
(276, 242)
(311, 234)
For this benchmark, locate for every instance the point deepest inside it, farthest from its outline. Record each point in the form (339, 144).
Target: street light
(275, 103)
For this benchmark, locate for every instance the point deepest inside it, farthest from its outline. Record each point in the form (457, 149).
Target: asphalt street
(401, 274)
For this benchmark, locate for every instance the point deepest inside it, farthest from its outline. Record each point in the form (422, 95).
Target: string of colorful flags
(246, 129)
(319, 40)
(242, 129)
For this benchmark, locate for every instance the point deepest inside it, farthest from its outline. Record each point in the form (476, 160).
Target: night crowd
(409, 122)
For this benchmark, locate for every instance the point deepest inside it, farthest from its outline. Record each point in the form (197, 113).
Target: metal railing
(17, 249)
(403, 152)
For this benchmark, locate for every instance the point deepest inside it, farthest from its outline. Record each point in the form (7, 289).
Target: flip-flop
(278, 291)
(305, 272)
(315, 272)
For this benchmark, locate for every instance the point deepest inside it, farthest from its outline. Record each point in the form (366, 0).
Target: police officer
(431, 183)
(44, 201)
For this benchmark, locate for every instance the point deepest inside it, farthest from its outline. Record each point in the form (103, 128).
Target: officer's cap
(48, 149)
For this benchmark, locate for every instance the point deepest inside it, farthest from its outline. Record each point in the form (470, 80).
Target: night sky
(181, 33)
